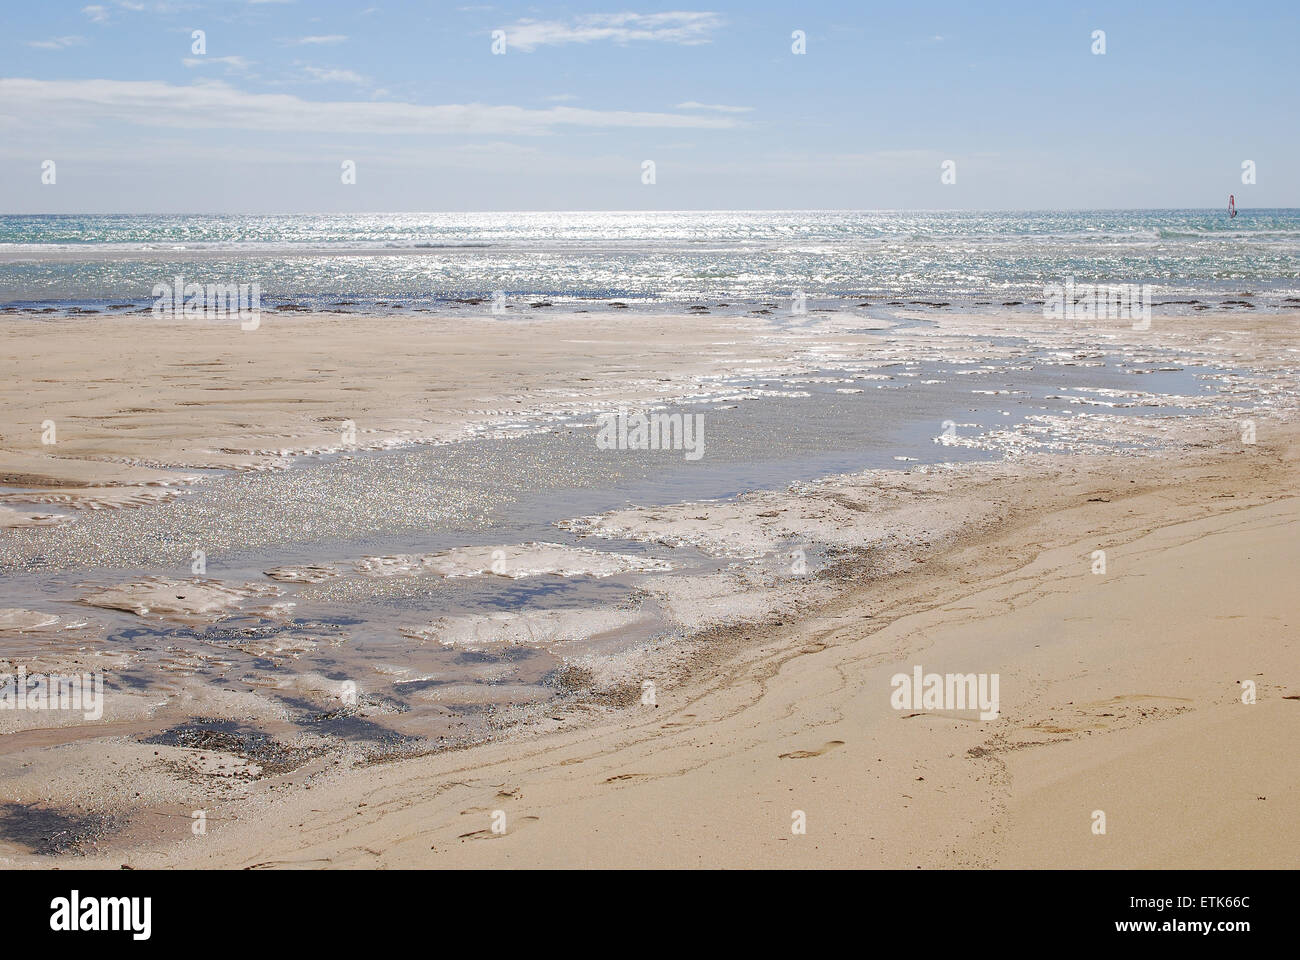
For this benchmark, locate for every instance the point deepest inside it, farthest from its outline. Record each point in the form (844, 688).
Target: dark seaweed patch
(346, 724)
(50, 832)
(224, 736)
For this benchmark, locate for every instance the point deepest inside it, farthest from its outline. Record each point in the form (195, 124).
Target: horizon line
(876, 210)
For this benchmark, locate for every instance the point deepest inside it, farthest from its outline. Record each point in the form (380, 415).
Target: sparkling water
(964, 258)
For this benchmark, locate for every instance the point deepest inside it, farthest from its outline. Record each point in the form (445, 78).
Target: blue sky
(412, 93)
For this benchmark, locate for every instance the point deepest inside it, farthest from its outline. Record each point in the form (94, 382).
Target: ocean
(419, 260)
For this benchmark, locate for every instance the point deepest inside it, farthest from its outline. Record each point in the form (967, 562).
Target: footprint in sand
(805, 754)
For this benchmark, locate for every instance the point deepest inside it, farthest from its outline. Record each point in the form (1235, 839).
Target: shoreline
(196, 431)
(542, 304)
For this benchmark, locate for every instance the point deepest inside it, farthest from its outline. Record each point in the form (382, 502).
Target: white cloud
(97, 13)
(717, 107)
(329, 40)
(158, 6)
(57, 43)
(217, 105)
(325, 75)
(232, 62)
(684, 27)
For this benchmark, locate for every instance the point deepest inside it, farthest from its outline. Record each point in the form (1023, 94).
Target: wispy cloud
(57, 43)
(96, 13)
(157, 6)
(683, 27)
(327, 40)
(217, 105)
(717, 107)
(232, 62)
(329, 75)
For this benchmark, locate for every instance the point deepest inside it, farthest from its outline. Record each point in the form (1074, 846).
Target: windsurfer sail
(1232, 205)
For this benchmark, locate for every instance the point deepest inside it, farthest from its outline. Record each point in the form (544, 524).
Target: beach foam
(515, 561)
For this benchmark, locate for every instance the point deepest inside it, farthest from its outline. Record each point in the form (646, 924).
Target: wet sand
(1117, 688)
(139, 404)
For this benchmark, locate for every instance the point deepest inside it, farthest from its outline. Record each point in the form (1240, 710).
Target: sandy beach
(1121, 689)
(210, 395)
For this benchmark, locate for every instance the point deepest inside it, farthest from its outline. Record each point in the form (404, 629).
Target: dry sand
(1121, 692)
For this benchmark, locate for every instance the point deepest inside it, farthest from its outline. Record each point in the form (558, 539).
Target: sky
(137, 119)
